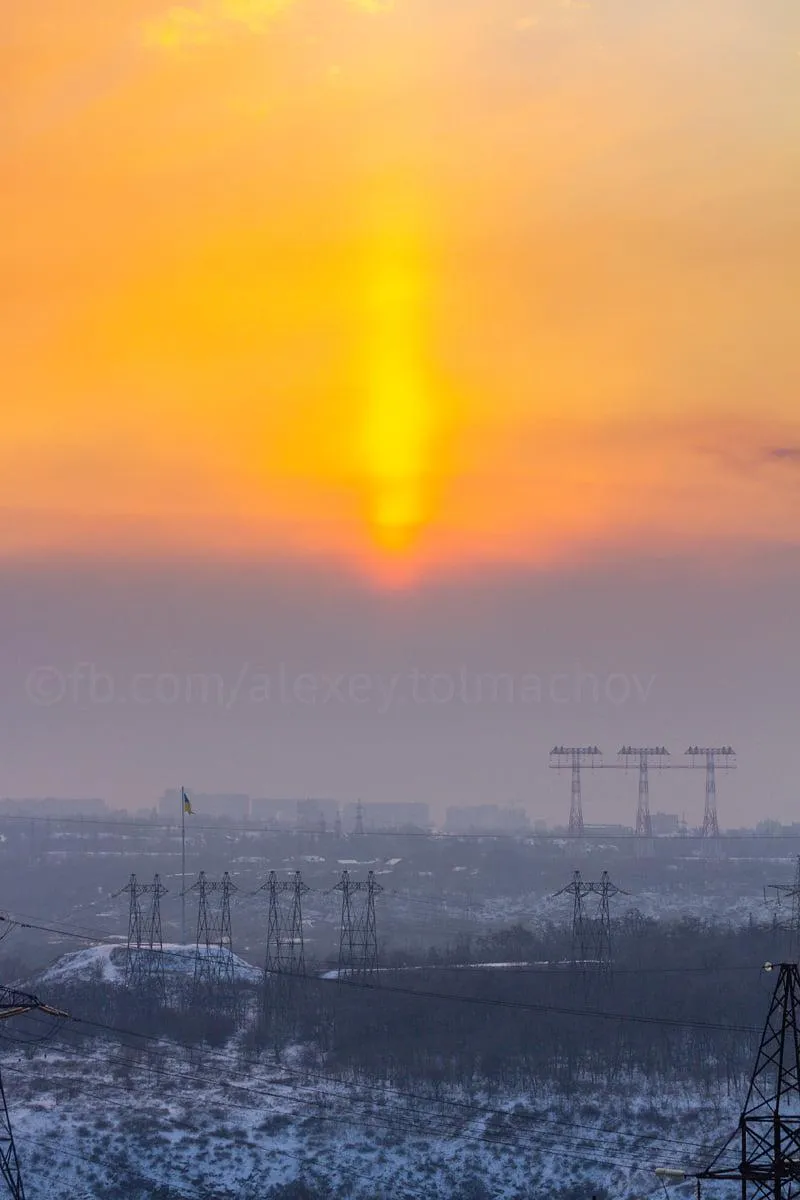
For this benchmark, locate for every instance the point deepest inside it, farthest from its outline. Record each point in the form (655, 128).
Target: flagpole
(183, 869)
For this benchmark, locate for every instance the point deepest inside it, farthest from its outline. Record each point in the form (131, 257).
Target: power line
(522, 837)
(417, 1097)
(560, 1010)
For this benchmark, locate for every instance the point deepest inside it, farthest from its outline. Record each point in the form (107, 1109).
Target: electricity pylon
(579, 891)
(709, 757)
(605, 889)
(285, 957)
(144, 953)
(643, 756)
(213, 962)
(575, 757)
(591, 933)
(358, 940)
(359, 818)
(15, 1004)
(133, 950)
(790, 892)
(285, 947)
(763, 1155)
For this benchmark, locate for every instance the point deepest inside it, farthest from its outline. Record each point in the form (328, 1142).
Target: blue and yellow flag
(187, 806)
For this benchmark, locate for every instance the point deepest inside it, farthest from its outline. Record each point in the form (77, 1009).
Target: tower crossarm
(721, 756)
(629, 755)
(571, 756)
(15, 1004)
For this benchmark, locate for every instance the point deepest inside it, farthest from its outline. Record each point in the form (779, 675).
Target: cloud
(786, 454)
(206, 22)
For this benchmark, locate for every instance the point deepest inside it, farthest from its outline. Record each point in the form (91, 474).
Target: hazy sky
(434, 336)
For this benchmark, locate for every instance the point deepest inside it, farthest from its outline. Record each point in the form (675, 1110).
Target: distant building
(315, 814)
(486, 818)
(55, 806)
(234, 805)
(271, 810)
(388, 817)
(665, 824)
(312, 813)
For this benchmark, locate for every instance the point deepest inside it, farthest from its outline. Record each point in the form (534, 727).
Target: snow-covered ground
(107, 964)
(94, 1121)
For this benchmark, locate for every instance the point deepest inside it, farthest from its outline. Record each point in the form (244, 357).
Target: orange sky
(450, 280)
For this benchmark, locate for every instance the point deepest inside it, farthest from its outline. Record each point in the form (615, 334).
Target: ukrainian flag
(187, 806)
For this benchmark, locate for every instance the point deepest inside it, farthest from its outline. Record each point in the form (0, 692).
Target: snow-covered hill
(106, 963)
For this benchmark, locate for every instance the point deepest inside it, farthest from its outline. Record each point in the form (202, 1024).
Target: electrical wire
(519, 1005)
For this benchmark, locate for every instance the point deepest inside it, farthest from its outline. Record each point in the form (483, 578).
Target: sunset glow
(380, 282)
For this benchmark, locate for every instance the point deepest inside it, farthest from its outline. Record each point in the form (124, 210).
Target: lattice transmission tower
(605, 889)
(579, 890)
(591, 931)
(789, 892)
(15, 1004)
(358, 940)
(285, 961)
(763, 1155)
(710, 757)
(144, 952)
(575, 757)
(214, 974)
(285, 946)
(643, 756)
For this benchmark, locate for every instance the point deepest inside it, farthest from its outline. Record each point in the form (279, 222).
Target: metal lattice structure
(144, 952)
(643, 756)
(15, 1004)
(605, 889)
(358, 941)
(359, 829)
(575, 757)
(763, 1155)
(579, 890)
(591, 932)
(214, 975)
(285, 947)
(710, 757)
(789, 892)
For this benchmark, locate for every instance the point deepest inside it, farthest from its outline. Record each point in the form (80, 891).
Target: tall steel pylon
(15, 1004)
(133, 950)
(643, 755)
(591, 932)
(605, 889)
(763, 1155)
(285, 957)
(575, 757)
(791, 892)
(709, 757)
(144, 952)
(579, 890)
(214, 975)
(285, 947)
(359, 818)
(358, 940)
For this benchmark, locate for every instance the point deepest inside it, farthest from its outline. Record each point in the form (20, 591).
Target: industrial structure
(358, 939)
(709, 757)
(15, 1004)
(575, 757)
(763, 1155)
(144, 952)
(591, 930)
(214, 982)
